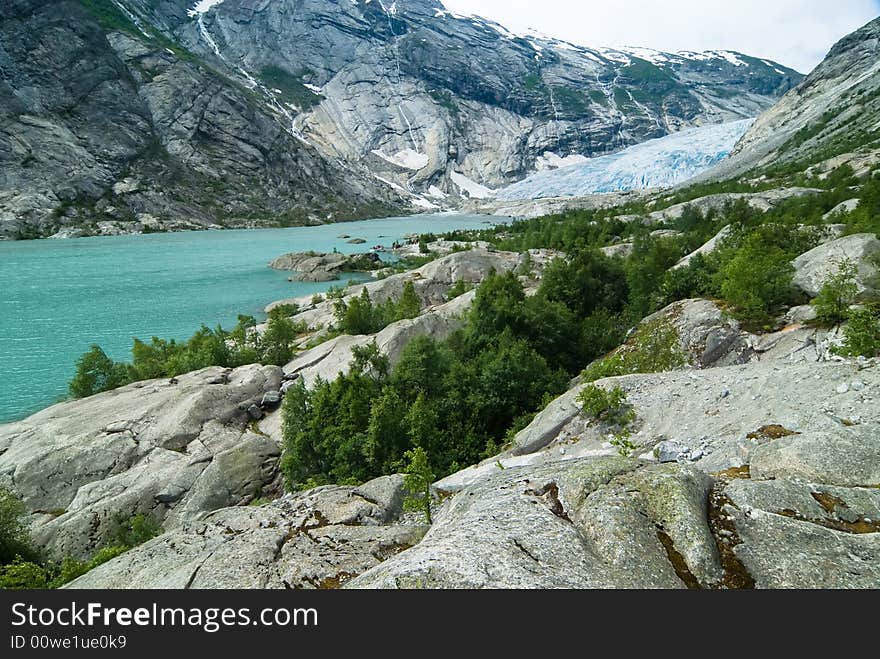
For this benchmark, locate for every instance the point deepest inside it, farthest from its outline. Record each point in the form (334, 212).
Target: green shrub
(459, 288)
(15, 542)
(654, 348)
(96, 372)
(20, 574)
(837, 294)
(133, 531)
(861, 334)
(606, 405)
(418, 482)
(756, 281)
(361, 316)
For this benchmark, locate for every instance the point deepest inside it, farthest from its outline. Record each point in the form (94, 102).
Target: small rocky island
(314, 266)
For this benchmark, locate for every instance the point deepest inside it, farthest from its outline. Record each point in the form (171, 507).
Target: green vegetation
(459, 288)
(756, 281)
(361, 316)
(610, 407)
(837, 294)
(654, 348)
(456, 399)
(14, 538)
(96, 372)
(22, 565)
(861, 335)
(418, 482)
(291, 86)
(109, 16)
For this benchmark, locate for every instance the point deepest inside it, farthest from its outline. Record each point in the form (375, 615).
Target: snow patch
(471, 187)
(648, 54)
(662, 162)
(313, 88)
(421, 202)
(202, 7)
(408, 159)
(436, 192)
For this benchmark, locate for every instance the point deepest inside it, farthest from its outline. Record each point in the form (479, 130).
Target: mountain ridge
(255, 113)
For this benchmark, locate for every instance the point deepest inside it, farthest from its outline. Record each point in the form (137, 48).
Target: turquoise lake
(58, 297)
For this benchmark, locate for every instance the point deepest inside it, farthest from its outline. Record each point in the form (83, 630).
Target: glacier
(659, 163)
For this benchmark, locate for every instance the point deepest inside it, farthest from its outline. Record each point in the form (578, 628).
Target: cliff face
(833, 115)
(422, 92)
(112, 125)
(132, 114)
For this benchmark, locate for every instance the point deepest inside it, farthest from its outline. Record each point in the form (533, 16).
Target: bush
(360, 316)
(837, 294)
(133, 531)
(21, 574)
(418, 482)
(756, 281)
(607, 405)
(654, 348)
(96, 372)
(15, 542)
(861, 334)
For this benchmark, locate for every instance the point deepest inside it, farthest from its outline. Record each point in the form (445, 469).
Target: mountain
(662, 162)
(128, 115)
(832, 116)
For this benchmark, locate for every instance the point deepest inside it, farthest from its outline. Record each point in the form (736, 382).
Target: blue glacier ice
(659, 163)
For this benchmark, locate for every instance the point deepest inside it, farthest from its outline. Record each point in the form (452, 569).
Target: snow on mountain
(663, 162)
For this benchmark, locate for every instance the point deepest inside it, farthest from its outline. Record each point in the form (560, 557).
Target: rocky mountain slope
(128, 115)
(755, 444)
(832, 116)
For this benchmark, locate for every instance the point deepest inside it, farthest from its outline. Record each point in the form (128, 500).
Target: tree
(357, 316)
(837, 294)
(418, 481)
(14, 538)
(756, 281)
(278, 341)
(409, 305)
(96, 372)
(861, 334)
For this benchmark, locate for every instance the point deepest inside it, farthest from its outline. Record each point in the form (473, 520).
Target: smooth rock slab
(574, 524)
(849, 457)
(317, 539)
(780, 552)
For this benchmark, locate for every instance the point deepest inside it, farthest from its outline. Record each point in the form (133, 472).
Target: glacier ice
(663, 162)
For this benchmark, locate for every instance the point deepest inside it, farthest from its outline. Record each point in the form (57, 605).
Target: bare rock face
(831, 107)
(307, 111)
(111, 131)
(775, 486)
(318, 539)
(815, 267)
(170, 449)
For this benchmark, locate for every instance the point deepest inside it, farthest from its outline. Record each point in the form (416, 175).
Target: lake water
(58, 297)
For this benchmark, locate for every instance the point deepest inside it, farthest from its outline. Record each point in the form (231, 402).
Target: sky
(797, 33)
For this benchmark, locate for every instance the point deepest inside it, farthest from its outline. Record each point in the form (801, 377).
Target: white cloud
(797, 33)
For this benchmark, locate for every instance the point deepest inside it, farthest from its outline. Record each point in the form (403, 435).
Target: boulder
(802, 535)
(707, 336)
(169, 449)
(594, 523)
(815, 267)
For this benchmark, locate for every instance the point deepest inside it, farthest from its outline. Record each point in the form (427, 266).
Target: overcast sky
(797, 33)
